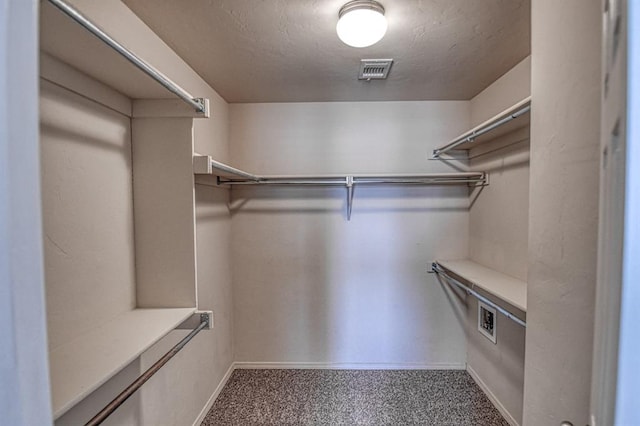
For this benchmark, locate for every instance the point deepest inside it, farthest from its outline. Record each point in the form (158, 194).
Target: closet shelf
(227, 175)
(505, 291)
(67, 34)
(513, 118)
(81, 366)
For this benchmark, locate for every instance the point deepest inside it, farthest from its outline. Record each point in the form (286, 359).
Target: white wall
(178, 393)
(498, 235)
(563, 214)
(310, 287)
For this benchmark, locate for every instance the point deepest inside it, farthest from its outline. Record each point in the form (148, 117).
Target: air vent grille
(374, 69)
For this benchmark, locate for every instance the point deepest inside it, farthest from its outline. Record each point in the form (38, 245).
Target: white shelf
(509, 289)
(63, 38)
(479, 134)
(83, 365)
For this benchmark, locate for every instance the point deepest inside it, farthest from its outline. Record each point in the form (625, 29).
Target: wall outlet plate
(487, 321)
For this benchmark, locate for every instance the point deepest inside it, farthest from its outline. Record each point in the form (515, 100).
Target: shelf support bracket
(194, 320)
(349, 182)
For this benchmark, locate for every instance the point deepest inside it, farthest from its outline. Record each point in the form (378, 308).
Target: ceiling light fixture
(361, 23)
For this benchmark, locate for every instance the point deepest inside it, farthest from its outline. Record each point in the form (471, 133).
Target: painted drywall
(498, 226)
(563, 213)
(24, 377)
(498, 235)
(499, 217)
(510, 88)
(87, 213)
(182, 389)
(499, 367)
(310, 287)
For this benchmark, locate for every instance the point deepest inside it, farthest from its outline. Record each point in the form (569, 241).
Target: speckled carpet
(352, 397)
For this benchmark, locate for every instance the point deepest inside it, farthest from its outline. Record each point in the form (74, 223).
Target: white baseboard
(215, 394)
(346, 366)
(494, 400)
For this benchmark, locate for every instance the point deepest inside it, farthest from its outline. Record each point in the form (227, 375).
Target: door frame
(24, 376)
(628, 386)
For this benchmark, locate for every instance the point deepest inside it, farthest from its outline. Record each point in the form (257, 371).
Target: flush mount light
(361, 23)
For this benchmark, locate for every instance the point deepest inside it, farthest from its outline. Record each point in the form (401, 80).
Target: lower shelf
(493, 283)
(81, 366)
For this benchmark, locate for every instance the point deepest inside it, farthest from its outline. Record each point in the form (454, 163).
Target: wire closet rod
(234, 176)
(470, 136)
(141, 380)
(197, 103)
(441, 272)
(227, 175)
(452, 179)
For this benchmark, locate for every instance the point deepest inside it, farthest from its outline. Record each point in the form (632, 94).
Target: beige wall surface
(499, 217)
(183, 387)
(563, 220)
(344, 137)
(498, 231)
(87, 213)
(512, 87)
(499, 366)
(498, 235)
(498, 225)
(311, 287)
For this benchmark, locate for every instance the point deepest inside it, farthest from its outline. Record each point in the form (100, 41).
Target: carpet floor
(352, 397)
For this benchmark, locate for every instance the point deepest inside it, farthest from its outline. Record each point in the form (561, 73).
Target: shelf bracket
(349, 182)
(197, 318)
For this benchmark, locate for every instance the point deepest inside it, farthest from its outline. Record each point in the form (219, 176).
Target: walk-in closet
(303, 212)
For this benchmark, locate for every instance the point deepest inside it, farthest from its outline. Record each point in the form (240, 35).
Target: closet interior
(388, 235)
(137, 251)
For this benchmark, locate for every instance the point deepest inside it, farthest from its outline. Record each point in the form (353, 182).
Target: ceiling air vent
(374, 69)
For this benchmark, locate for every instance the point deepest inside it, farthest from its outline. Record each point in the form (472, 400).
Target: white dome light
(362, 23)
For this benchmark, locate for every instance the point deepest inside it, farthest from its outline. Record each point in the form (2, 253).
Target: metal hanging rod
(441, 272)
(349, 181)
(227, 175)
(452, 179)
(199, 104)
(141, 380)
(518, 110)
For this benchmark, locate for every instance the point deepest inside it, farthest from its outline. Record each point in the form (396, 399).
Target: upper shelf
(227, 175)
(513, 118)
(503, 287)
(81, 366)
(68, 35)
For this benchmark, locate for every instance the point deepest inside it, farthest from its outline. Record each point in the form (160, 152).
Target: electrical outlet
(487, 321)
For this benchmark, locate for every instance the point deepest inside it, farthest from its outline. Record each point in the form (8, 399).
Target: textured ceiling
(288, 50)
